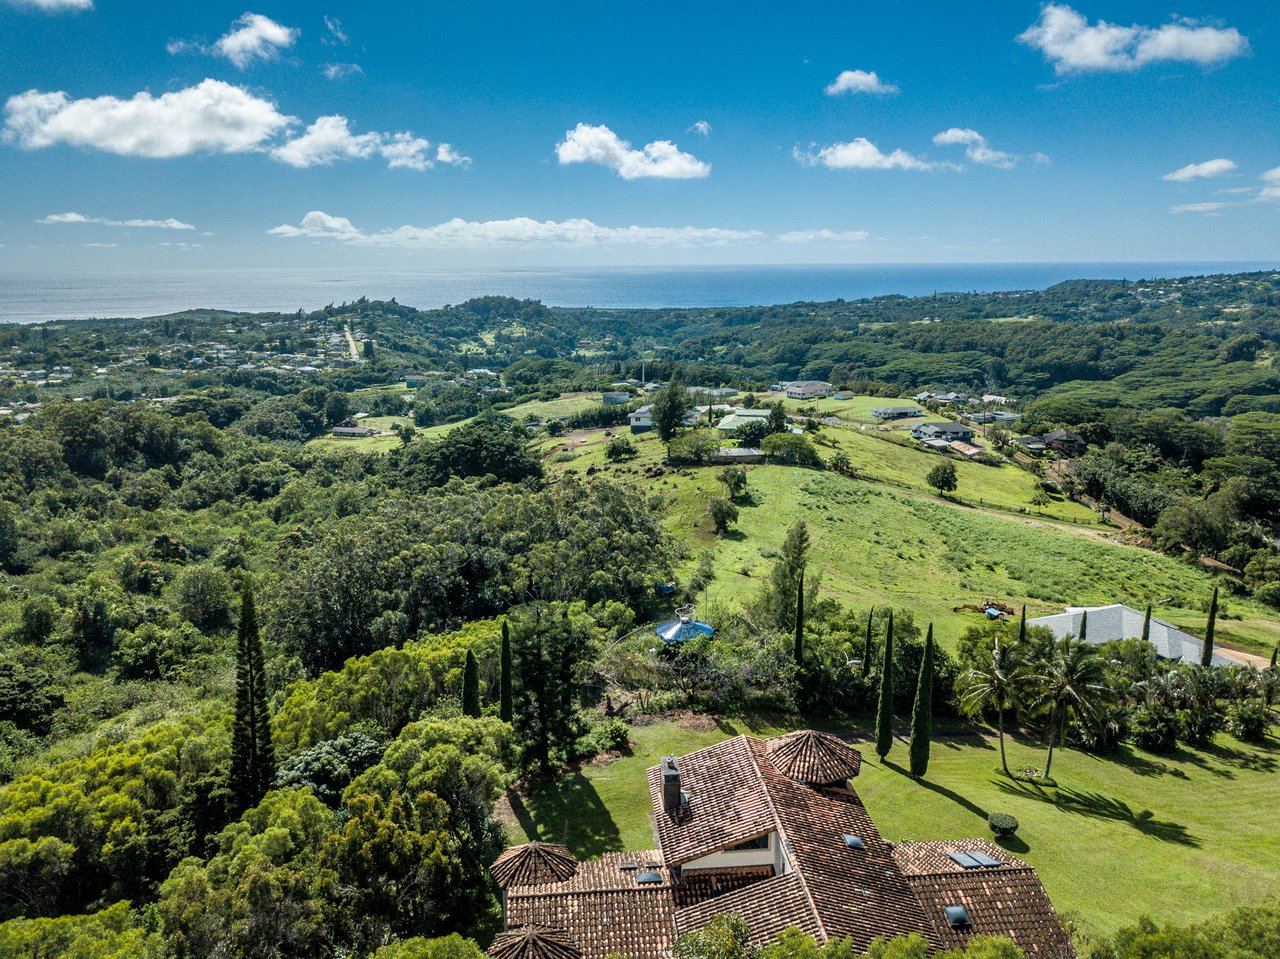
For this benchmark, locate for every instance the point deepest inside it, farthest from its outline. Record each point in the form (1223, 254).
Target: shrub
(619, 448)
(1248, 720)
(611, 734)
(1155, 729)
(1002, 824)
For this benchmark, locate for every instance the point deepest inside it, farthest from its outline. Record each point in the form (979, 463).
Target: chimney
(671, 797)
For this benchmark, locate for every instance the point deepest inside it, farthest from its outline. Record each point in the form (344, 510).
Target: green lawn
(880, 544)
(857, 409)
(365, 444)
(1178, 838)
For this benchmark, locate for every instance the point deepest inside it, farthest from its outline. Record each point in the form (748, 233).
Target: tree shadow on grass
(568, 810)
(1255, 759)
(1014, 844)
(1138, 763)
(1095, 805)
(941, 790)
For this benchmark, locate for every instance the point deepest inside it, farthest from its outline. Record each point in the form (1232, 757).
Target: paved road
(351, 343)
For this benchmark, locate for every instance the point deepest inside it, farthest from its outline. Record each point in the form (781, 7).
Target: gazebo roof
(809, 756)
(683, 628)
(532, 864)
(534, 942)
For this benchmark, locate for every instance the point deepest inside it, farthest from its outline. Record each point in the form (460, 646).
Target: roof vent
(648, 879)
(958, 917)
(854, 842)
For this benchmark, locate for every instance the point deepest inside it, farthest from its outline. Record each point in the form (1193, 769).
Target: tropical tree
(1000, 684)
(1071, 684)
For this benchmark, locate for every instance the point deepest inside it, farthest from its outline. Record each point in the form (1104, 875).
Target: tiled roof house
(772, 831)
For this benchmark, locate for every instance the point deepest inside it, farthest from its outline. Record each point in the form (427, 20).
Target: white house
(1107, 623)
(808, 389)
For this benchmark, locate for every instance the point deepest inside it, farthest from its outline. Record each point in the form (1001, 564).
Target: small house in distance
(351, 432)
(731, 423)
(1117, 621)
(947, 430)
(773, 831)
(896, 412)
(1065, 442)
(807, 389)
(737, 456)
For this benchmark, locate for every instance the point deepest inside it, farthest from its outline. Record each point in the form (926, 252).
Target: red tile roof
(1005, 900)
(826, 887)
(534, 942)
(534, 862)
(813, 757)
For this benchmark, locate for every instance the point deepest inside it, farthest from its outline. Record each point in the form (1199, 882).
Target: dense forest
(259, 699)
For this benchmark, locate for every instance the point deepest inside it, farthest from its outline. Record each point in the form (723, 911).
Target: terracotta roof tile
(813, 757)
(767, 907)
(534, 942)
(726, 802)
(603, 908)
(534, 862)
(1006, 900)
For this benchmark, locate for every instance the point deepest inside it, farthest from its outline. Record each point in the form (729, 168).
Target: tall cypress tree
(866, 646)
(1268, 690)
(800, 621)
(1146, 625)
(471, 686)
(922, 711)
(253, 760)
(504, 679)
(1206, 654)
(884, 711)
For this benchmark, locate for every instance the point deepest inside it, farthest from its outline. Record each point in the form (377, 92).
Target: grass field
(857, 409)
(366, 444)
(885, 545)
(1175, 837)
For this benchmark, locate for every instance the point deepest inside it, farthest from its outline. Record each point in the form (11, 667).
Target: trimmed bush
(1002, 824)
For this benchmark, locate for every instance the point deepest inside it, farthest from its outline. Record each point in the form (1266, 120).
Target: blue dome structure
(683, 628)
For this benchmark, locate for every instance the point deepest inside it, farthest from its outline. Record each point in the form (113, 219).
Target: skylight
(973, 859)
(958, 917)
(854, 842)
(648, 879)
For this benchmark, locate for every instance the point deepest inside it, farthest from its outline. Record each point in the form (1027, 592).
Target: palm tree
(999, 685)
(1071, 684)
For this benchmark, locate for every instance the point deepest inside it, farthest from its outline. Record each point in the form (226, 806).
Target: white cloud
(54, 6)
(330, 138)
(516, 231)
(1195, 171)
(824, 236)
(336, 34)
(701, 127)
(211, 117)
(254, 37)
(100, 246)
(448, 155)
(1208, 209)
(1272, 190)
(598, 144)
(976, 147)
(166, 224)
(1073, 45)
(859, 81)
(861, 154)
(340, 71)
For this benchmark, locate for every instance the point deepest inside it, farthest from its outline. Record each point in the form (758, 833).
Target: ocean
(37, 297)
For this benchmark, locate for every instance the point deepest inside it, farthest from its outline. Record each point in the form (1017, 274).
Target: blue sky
(487, 134)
